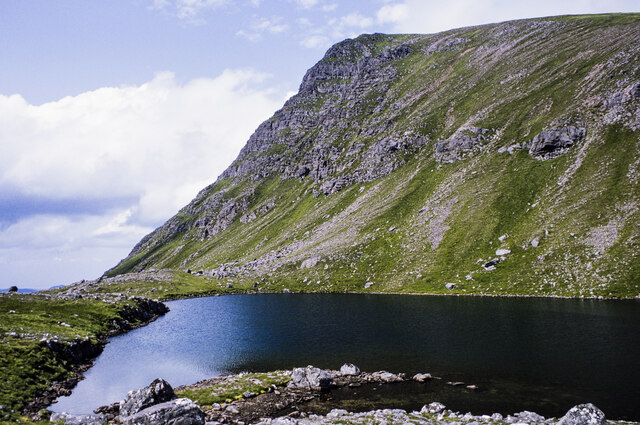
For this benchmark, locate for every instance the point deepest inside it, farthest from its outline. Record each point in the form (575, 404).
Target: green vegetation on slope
(570, 221)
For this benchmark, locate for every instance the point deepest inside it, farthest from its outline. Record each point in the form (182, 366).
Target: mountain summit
(499, 159)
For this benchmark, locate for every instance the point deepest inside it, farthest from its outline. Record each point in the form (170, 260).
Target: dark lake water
(543, 355)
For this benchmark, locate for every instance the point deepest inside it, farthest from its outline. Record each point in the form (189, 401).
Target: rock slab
(159, 391)
(310, 377)
(181, 411)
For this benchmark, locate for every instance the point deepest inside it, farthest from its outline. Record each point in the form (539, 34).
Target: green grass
(233, 387)
(27, 364)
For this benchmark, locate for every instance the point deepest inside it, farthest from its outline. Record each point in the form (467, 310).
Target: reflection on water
(543, 355)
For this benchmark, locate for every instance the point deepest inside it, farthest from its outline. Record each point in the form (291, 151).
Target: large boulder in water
(159, 391)
(181, 411)
(310, 377)
(583, 414)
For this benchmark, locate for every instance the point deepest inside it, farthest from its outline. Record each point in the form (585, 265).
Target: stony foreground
(158, 404)
(435, 413)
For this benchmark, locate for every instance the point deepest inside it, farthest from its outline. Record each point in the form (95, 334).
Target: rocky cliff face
(406, 162)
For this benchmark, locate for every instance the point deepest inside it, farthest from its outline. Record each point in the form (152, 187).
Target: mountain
(498, 159)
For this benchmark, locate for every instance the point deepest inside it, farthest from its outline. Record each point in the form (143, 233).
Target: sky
(114, 114)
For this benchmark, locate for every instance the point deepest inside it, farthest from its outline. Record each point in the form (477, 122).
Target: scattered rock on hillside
(460, 145)
(556, 141)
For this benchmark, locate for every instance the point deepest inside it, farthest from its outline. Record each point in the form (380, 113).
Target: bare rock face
(158, 391)
(583, 414)
(310, 377)
(555, 141)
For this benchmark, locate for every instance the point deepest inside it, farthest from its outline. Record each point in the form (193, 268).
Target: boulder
(310, 377)
(70, 419)
(181, 411)
(387, 376)
(451, 286)
(502, 252)
(555, 141)
(434, 407)
(583, 414)
(422, 377)
(349, 369)
(159, 391)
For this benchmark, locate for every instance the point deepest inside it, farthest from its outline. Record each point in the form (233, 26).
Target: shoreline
(76, 374)
(427, 294)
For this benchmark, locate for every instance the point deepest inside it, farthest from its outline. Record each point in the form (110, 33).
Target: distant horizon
(118, 130)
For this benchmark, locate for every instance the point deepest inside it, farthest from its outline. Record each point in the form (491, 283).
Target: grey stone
(422, 377)
(434, 407)
(451, 286)
(181, 411)
(70, 419)
(158, 391)
(555, 141)
(310, 377)
(502, 252)
(388, 376)
(491, 263)
(349, 369)
(232, 409)
(527, 416)
(583, 414)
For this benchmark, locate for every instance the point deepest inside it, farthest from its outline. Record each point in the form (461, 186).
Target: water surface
(544, 355)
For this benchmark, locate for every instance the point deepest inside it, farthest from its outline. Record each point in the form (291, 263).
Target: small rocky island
(274, 398)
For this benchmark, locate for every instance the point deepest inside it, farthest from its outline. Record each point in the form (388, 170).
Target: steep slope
(495, 159)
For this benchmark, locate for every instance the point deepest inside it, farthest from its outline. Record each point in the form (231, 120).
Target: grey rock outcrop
(460, 145)
(583, 414)
(310, 377)
(181, 411)
(556, 141)
(158, 391)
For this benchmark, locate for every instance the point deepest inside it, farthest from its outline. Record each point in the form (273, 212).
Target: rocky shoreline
(82, 353)
(254, 399)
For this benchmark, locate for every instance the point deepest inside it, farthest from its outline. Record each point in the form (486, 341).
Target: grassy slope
(475, 200)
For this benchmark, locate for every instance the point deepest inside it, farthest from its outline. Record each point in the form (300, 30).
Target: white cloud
(157, 144)
(329, 7)
(393, 13)
(315, 42)
(418, 16)
(190, 10)
(307, 4)
(260, 26)
(356, 20)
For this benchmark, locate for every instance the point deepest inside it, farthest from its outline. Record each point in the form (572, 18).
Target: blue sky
(114, 114)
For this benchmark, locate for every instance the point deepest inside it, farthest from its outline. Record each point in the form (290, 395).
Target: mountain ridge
(498, 159)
